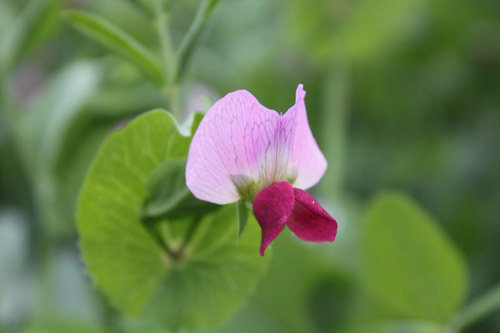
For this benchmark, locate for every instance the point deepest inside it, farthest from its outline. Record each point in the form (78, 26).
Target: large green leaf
(410, 265)
(203, 277)
(115, 39)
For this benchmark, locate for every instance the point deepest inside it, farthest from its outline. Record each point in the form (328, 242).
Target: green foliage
(34, 24)
(45, 127)
(192, 36)
(353, 31)
(54, 324)
(374, 25)
(169, 197)
(188, 271)
(410, 265)
(114, 38)
(215, 278)
(46, 122)
(242, 214)
(145, 6)
(167, 186)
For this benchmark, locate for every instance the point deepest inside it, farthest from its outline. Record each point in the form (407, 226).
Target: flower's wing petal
(310, 221)
(272, 207)
(229, 148)
(307, 162)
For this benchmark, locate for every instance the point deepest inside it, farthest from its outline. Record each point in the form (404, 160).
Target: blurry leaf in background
(373, 26)
(37, 20)
(410, 265)
(45, 128)
(287, 293)
(46, 120)
(16, 292)
(117, 40)
(402, 327)
(55, 324)
(212, 279)
(145, 6)
(331, 302)
(356, 30)
(6, 17)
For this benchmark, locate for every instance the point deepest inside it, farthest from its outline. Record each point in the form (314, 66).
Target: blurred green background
(401, 95)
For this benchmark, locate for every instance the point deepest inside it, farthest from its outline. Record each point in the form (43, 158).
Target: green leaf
(169, 196)
(215, 280)
(410, 265)
(167, 186)
(242, 214)
(197, 118)
(205, 276)
(114, 38)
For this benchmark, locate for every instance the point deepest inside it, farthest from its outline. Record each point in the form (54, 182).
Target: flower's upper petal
(309, 221)
(272, 208)
(307, 163)
(233, 146)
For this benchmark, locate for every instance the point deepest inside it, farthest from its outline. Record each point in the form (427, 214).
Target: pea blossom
(242, 149)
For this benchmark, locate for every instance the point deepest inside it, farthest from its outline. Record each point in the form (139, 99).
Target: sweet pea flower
(242, 149)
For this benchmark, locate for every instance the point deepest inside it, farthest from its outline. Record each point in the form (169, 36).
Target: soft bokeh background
(401, 95)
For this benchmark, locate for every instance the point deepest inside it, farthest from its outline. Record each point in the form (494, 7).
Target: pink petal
(234, 146)
(307, 162)
(309, 221)
(272, 207)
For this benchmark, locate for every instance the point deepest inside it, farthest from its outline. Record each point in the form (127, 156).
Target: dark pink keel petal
(272, 207)
(309, 221)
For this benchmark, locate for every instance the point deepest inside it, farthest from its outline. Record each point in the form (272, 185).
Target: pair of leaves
(211, 279)
(410, 265)
(117, 40)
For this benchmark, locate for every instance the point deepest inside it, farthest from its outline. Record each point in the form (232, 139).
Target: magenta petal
(310, 221)
(272, 207)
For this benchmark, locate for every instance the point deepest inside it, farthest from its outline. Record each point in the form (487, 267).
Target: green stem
(192, 36)
(152, 226)
(169, 87)
(167, 49)
(190, 232)
(335, 111)
(479, 309)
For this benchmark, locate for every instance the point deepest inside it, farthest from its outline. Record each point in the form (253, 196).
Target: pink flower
(245, 150)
